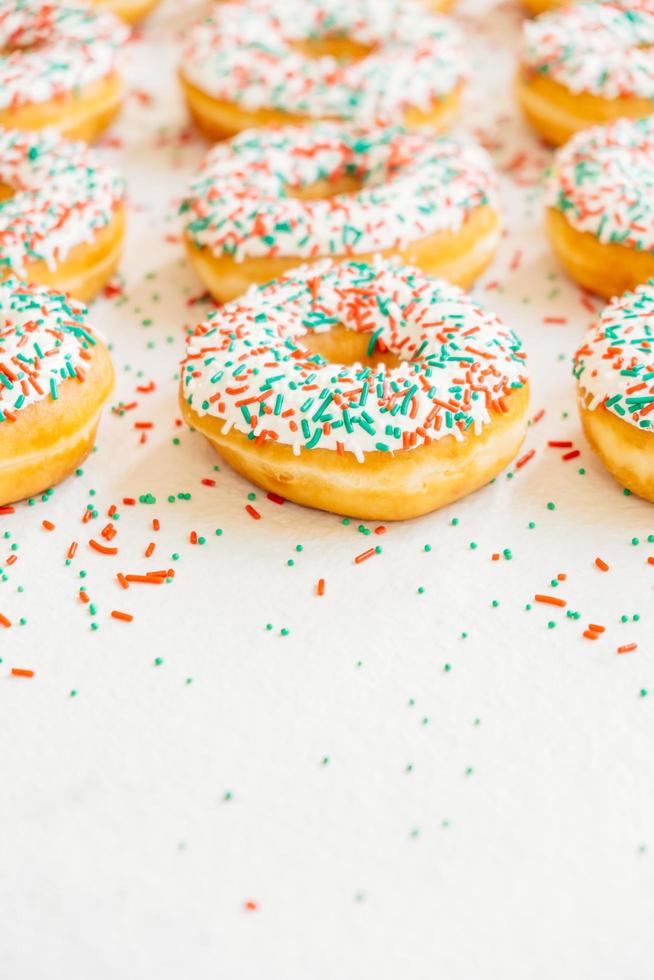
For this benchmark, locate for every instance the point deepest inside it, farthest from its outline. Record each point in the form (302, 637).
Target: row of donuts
(457, 225)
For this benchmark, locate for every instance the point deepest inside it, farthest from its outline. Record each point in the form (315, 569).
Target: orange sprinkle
(150, 579)
(48, 525)
(123, 581)
(551, 600)
(321, 586)
(155, 524)
(21, 672)
(590, 635)
(129, 501)
(364, 556)
(123, 616)
(103, 549)
(525, 459)
(628, 648)
(72, 550)
(253, 513)
(561, 577)
(650, 561)
(12, 559)
(150, 548)
(4, 621)
(596, 628)
(495, 556)
(601, 564)
(193, 537)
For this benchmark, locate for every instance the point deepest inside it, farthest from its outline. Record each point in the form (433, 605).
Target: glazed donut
(131, 11)
(362, 389)
(55, 376)
(614, 369)
(587, 64)
(600, 206)
(62, 213)
(269, 200)
(277, 62)
(58, 67)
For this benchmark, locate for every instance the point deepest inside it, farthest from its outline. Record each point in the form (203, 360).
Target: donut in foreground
(361, 389)
(600, 206)
(289, 62)
(270, 199)
(614, 369)
(58, 67)
(55, 376)
(62, 213)
(131, 11)
(585, 65)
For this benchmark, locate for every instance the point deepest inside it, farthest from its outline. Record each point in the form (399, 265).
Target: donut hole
(337, 46)
(342, 346)
(321, 190)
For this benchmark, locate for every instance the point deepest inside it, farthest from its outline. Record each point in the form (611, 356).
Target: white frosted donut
(614, 369)
(55, 375)
(600, 205)
(270, 199)
(59, 66)
(63, 223)
(586, 64)
(355, 434)
(253, 59)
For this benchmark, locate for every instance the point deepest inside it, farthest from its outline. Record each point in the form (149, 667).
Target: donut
(277, 62)
(131, 11)
(537, 7)
(600, 206)
(614, 369)
(58, 67)
(55, 376)
(585, 65)
(364, 389)
(62, 213)
(271, 199)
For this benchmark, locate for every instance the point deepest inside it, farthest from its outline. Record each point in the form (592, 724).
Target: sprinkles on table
(246, 54)
(248, 365)
(411, 186)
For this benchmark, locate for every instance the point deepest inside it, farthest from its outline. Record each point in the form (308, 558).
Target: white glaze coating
(63, 196)
(615, 364)
(44, 341)
(50, 49)
(247, 364)
(243, 54)
(601, 48)
(413, 186)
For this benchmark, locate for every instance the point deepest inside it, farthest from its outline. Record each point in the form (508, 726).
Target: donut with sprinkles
(55, 376)
(58, 67)
(62, 213)
(131, 11)
(278, 62)
(600, 206)
(614, 369)
(270, 199)
(585, 65)
(365, 389)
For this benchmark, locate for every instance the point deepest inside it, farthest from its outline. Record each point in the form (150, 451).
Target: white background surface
(516, 847)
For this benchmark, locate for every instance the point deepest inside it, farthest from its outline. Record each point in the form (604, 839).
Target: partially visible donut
(600, 206)
(55, 376)
(363, 389)
(58, 67)
(62, 213)
(614, 368)
(271, 199)
(586, 64)
(277, 62)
